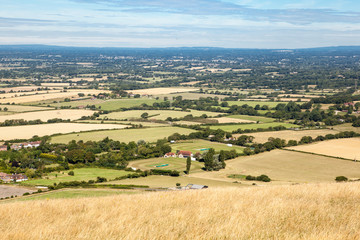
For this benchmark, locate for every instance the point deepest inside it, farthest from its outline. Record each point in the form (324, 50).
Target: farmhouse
(12, 177)
(184, 154)
(169, 154)
(3, 148)
(195, 186)
(18, 146)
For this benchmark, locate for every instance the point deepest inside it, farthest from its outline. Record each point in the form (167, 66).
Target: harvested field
(232, 120)
(254, 103)
(20, 108)
(157, 91)
(55, 84)
(8, 191)
(125, 135)
(45, 95)
(259, 119)
(286, 167)
(191, 96)
(28, 131)
(115, 104)
(308, 211)
(262, 137)
(348, 148)
(233, 127)
(20, 89)
(46, 115)
(156, 114)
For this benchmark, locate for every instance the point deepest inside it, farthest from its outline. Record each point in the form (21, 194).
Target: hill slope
(313, 211)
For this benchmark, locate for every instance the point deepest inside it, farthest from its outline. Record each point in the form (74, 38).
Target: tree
(188, 165)
(145, 115)
(209, 159)
(71, 173)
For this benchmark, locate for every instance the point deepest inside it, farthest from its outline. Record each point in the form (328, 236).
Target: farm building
(3, 148)
(169, 154)
(12, 177)
(18, 146)
(184, 154)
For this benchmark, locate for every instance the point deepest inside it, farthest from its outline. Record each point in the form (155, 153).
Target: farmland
(190, 95)
(262, 137)
(253, 118)
(157, 91)
(156, 114)
(20, 108)
(254, 103)
(75, 193)
(198, 144)
(344, 148)
(287, 167)
(111, 105)
(51, 114)
(233, 127)
(28, 131)
(125, 135)
(45, 95)
(178, 164)
(156, 181)
(81, 174)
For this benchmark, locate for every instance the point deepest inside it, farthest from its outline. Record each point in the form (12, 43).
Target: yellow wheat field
(28, 131)
(321, 211)
(65, 114)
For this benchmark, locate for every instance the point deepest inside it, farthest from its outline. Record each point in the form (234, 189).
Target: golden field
(28, 131)
(309, 211)
(345, 148)
(262, 137)
(46, 115)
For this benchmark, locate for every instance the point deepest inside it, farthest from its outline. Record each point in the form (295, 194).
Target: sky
(276, 24)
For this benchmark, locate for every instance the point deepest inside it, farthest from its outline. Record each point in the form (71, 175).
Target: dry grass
(286, 167)
(46, 115)
(321, 211)
(344, 148)
(262, 137)
(28, 131)
(232, 120)
(157, 91)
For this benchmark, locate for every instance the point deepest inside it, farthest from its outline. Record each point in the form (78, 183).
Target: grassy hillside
(313, 211)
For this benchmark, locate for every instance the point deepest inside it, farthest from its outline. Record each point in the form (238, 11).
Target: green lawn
(178, 164)
(156, 114)
(230, 128)
(254, 103)
(81, 174)
(195, 146)
(74, 193)
(123, 135)
(253, 118)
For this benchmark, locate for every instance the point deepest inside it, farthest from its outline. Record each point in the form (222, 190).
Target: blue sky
(177, 23)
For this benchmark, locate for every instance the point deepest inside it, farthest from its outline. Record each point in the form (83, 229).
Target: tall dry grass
(322, 211)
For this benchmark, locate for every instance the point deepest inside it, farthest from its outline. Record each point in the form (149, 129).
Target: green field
(81, 174)
(156, 114)
(116, 104)
(78, 103)
(254, 103)
(74, 193)
(230, 128)
(253, 118)
(123, 135)
(178, 164)
(145, 124)
(156, 181)
(195, 146)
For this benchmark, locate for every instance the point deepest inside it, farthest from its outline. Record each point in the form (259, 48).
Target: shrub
(71, 173)
(341, 179)
(25, 194)
(263, 178)
(101, 179)
(249, 177)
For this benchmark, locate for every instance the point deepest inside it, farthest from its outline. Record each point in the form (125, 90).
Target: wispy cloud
(217, 7)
